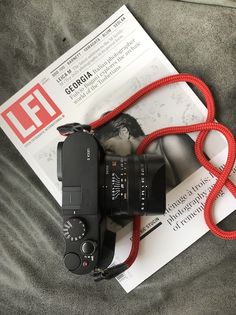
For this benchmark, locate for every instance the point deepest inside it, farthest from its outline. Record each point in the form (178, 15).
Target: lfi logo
(31, 113)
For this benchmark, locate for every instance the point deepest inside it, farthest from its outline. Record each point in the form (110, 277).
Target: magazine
(92, 78)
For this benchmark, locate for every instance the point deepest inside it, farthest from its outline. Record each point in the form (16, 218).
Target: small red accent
(85, 263)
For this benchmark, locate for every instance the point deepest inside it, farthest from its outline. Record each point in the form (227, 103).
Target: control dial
(72, 261)
(74, 229)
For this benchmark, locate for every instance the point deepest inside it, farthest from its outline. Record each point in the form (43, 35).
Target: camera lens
(133, 185)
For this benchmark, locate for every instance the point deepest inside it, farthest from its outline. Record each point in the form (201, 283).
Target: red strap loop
(203, 128)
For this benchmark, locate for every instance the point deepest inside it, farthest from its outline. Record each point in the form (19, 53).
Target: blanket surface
(199, 39)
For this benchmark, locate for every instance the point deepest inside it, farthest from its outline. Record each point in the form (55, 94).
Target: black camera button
(88, 247)
(85, 263)
(72, 261)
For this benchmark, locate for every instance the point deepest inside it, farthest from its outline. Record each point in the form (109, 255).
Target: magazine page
(164, 237)
(94, 77)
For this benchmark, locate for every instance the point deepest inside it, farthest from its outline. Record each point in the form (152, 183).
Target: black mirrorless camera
(96, 185)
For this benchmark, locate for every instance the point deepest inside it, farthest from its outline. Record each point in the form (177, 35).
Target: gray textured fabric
(226, 3)
(198, 39)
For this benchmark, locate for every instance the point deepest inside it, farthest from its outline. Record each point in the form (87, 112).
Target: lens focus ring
(132, 185)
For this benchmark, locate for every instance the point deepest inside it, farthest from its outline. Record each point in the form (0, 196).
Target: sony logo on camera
(31, 113)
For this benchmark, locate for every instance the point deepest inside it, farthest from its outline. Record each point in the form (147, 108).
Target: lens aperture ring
(132, 185)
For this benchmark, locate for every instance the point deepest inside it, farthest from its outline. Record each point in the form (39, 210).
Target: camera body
(95, 185)
(83, 226)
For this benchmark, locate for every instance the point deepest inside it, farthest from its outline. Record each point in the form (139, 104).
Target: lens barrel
(132, 185)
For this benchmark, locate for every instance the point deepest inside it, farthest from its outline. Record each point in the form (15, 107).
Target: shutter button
(88, 247)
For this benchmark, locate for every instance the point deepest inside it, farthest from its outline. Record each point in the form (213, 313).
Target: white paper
(93, 77)
(182, 225)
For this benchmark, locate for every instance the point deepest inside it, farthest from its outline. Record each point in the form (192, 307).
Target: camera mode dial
(74, 229)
